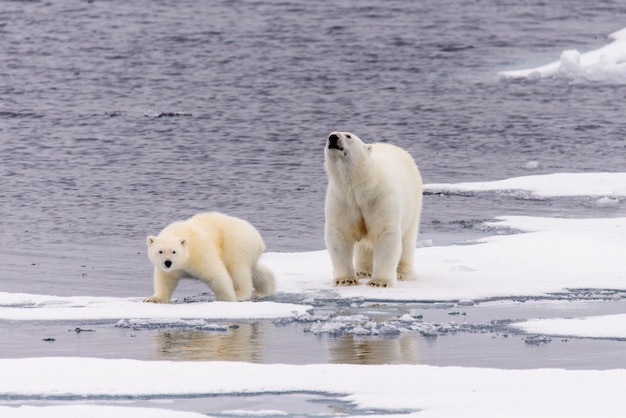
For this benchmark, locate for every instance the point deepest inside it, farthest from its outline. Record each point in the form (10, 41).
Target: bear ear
(183, 242)
(150, 240)
(368, 149)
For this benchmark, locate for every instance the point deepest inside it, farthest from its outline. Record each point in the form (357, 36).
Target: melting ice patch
(605, 64)
(29, 307)
(602, 326)
(363, 325)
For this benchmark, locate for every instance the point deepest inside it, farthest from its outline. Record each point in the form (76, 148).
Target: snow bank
(424, 390)
(607, 63)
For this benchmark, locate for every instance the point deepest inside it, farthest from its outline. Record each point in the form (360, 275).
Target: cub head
(167, 252)
(345, 145)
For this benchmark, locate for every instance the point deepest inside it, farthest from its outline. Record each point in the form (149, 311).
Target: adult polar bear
(373, 206)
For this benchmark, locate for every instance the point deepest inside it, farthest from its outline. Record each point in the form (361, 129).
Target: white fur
(220, 250)
(373, 207)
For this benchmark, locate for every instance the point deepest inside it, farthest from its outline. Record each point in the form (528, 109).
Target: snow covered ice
(544, 257)
(415, 390)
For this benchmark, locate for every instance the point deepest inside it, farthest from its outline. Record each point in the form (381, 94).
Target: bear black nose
(168, 263)
(333, 142)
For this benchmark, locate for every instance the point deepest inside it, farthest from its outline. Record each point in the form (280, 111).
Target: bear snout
(167, 263)
(334, 142)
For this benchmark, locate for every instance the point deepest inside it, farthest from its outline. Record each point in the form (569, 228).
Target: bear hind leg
(242, 282)
(263, 281)
(221, 284)
(405, 266)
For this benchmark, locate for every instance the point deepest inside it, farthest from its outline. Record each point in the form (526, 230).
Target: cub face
(345, 145)
(167, 253)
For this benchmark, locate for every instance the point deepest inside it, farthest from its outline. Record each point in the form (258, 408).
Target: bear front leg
(219, 280)
(387, 253)
(164, 286)
(364, 260)
(341, 251)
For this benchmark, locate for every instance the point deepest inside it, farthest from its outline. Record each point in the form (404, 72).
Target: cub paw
(154, 299)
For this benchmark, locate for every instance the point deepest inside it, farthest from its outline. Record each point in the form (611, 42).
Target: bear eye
(173, 252)
(160, 251)
(348, 136)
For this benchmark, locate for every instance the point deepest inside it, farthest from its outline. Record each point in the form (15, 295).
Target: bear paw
(407, 276)
(155, 299)
(346, 281)
(380, 283)
(364, 274)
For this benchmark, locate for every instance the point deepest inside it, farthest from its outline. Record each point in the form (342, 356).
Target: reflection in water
(248, 341)
(238, 343)
(374, 350)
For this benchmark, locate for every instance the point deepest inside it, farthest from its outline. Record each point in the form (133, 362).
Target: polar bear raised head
(346, 146)
(167, 252)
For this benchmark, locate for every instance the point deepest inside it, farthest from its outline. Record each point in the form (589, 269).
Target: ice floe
(553, 255)
(605, 64)
(413, 390)
(601, 326)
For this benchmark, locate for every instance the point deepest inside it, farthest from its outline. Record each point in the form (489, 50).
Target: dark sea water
(118, 117)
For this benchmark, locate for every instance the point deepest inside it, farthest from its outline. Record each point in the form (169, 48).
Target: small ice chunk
(531, 165)
(537, 340)
(425, 243)
(607, 202)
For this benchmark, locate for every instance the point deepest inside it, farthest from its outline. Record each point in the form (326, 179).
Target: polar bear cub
(373, 208)
(220, 250)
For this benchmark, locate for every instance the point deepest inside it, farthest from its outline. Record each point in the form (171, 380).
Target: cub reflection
(374, 350)
(239, 343)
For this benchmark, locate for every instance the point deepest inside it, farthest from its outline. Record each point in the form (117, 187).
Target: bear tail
(263, 281)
